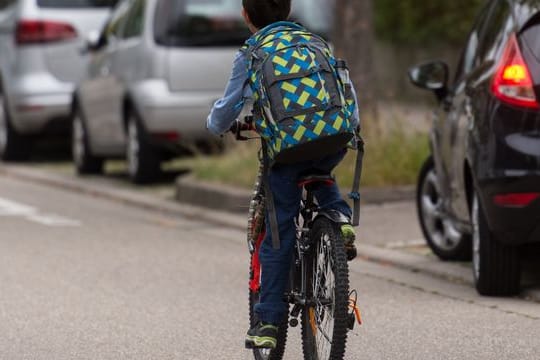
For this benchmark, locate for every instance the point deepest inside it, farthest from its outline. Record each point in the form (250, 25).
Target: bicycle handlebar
(240, 126)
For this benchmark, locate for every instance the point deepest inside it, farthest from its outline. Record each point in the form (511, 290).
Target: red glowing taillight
(41, 31)
(513, 82)
(515, 199)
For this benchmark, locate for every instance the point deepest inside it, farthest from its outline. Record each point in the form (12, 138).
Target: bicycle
(319, 282)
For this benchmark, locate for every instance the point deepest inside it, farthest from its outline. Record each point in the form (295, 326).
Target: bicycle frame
(298, 294)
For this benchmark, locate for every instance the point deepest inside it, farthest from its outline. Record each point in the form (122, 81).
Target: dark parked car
(479, 192)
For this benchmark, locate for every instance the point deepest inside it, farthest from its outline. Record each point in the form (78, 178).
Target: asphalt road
(87, 278)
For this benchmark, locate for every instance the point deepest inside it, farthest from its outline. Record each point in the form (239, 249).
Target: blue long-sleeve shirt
(227, 109)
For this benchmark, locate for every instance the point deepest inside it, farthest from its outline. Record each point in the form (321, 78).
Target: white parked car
(40, 63)
(156, 70)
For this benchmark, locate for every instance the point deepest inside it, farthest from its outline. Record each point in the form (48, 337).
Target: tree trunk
(354, 40)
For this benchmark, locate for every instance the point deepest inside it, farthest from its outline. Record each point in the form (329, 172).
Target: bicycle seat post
(308, 184)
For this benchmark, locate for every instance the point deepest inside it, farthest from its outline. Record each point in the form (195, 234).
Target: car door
(102, 93)
(127, 61)
(7, 26)
(475, 98)
(453, 112)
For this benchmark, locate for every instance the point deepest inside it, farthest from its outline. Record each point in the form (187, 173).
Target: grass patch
(392, 158)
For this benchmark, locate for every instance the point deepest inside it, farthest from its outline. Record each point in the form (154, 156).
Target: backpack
(302, 107)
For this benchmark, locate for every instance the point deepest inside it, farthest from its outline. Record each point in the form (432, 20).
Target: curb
(400, 259)
(228, 198)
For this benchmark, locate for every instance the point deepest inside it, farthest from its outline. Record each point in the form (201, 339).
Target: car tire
(142, 158)
(496, 266)
(13, 146)
(441, 235)
(85, 162)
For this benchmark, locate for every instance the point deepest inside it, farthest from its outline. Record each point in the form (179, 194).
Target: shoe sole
(254, 342)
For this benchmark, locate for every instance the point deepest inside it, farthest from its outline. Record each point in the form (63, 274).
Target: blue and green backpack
(302, 108)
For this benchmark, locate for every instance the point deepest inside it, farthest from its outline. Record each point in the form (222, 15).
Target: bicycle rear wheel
(324, 323)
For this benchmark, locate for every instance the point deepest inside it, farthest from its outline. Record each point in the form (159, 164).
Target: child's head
(261, 13)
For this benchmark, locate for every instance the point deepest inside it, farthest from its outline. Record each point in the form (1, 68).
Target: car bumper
(506, 162)
(181, 113)
(512, 223)
(36, 101)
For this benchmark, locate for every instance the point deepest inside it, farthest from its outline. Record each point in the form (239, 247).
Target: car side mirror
(94, 41)
(431, 76)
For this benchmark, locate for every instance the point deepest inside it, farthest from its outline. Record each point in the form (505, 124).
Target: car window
(199, 23)
(470, 52)
(531, 36)
(5, 3)
(115, 25)
(316, 15)
(135, 20)
(219, 22)
(76, 3)
(495, 32)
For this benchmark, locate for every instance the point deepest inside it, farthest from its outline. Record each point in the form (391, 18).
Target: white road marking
(30, 213)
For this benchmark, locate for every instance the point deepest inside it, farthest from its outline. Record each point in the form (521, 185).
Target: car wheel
(85, 162)
(142, 158)
(496, 267)
(13, 146)
(440, 233)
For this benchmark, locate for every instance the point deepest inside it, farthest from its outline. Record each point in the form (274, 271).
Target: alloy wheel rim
(3, 128)
(78, 148)
(476, 237)
(440, 229)
(133, 148)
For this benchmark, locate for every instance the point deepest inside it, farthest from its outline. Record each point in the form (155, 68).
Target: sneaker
(349, 236)
(262, 336)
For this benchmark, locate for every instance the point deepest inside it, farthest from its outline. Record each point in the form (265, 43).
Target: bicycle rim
(324, 325)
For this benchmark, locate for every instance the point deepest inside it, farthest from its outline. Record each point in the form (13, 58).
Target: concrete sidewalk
(376, 239)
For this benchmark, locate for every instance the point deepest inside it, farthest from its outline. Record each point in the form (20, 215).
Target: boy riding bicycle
(267, 19)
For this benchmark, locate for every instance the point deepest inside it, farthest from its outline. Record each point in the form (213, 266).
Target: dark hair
(265, 12)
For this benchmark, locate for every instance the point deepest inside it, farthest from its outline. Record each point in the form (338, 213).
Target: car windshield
(219, 22)
(76, 3)
(316, 15)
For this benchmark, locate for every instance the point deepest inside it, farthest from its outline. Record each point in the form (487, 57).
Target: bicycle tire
(328, 246)
(279, 351)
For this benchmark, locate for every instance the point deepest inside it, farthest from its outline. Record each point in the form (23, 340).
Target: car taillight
(513, 83)
(42, 31)
(515, 199)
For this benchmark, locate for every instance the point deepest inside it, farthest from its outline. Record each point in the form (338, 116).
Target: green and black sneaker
(349, 236)
(262, 336)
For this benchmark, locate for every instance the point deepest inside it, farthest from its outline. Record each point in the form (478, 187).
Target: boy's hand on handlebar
(238, 126)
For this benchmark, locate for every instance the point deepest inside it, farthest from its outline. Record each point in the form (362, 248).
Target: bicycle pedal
(352, 253)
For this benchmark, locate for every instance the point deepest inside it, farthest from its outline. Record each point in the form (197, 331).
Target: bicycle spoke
(323, 288)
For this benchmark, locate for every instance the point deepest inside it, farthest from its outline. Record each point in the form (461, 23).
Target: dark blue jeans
(287, 195)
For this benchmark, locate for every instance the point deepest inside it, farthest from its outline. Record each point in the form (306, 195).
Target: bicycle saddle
(316, 178)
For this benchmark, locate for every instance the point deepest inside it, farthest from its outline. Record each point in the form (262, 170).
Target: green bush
(393, 158)
(418, 22)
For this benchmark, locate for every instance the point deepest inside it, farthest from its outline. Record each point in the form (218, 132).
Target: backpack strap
(270, 205)
(355, 193)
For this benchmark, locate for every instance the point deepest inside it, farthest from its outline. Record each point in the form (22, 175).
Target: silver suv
(155, 72)
(40, 62)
